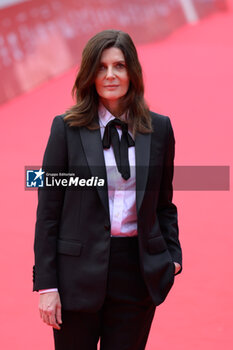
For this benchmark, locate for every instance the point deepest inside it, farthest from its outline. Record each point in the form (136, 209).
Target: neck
(113, 107)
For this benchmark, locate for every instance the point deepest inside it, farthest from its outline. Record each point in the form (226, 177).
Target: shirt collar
(105, 116)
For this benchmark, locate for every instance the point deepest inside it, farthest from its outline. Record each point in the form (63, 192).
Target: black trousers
(124, 321)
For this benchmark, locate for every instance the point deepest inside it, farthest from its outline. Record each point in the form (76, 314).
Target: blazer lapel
(142, 150)
(93, 149)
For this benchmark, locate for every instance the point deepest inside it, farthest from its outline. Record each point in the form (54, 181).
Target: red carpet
(188, 77)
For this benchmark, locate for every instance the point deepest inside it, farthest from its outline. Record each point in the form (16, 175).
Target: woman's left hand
(177, 267)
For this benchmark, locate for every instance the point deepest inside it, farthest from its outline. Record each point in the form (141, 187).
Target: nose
(110, 73)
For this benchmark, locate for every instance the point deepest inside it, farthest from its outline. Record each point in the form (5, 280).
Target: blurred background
(186, 51)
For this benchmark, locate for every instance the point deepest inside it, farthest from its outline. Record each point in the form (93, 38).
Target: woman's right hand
(50, 309)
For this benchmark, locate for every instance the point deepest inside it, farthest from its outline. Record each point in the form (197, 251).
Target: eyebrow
(120, 61)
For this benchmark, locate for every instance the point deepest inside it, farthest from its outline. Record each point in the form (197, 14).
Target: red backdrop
(42, 38)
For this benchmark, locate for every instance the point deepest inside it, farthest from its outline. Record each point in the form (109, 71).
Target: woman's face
(112, 81)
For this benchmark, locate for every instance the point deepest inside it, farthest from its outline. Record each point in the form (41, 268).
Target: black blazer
(72, 238)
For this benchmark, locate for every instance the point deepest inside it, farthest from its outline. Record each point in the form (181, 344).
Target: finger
(56, 326)
(53, 323)
(45, 318)
(58, 314)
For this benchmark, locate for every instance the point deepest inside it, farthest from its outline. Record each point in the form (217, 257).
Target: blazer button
(107, 227)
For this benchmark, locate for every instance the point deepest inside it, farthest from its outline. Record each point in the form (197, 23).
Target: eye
(120, 65)
(101, 67)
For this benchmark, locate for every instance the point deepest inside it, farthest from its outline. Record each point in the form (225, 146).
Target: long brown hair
(85, 111)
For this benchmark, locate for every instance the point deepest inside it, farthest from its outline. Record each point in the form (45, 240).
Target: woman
(106, 256)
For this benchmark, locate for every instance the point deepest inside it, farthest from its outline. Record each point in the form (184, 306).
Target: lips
(111, 86)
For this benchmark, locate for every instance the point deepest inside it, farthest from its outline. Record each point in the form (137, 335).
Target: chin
(111, 97)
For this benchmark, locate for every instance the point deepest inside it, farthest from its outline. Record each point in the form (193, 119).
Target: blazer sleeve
(166, 210)
(50, 202)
